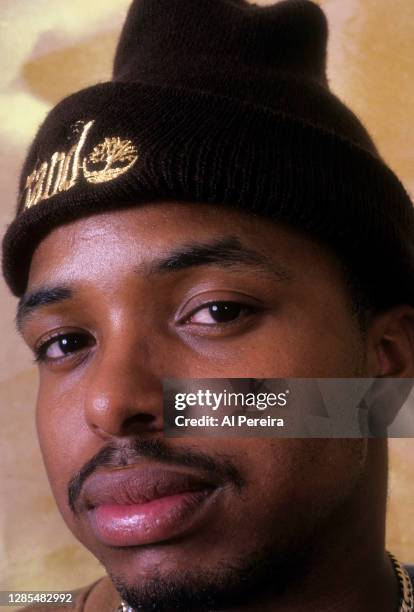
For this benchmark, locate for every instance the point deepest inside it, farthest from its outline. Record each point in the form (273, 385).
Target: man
(214, 211)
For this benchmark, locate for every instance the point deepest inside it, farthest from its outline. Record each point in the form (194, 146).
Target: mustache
(115, 456)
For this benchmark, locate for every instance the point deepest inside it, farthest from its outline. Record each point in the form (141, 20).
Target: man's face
(131, 297)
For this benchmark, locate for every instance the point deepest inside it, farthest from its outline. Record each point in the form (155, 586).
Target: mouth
(141, 506)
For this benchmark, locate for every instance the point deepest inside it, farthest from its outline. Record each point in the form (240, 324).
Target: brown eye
(63, 345)
(218, 312)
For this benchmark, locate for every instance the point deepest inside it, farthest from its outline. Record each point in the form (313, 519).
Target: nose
(123, 393)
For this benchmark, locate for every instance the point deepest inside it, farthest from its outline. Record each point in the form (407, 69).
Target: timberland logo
(108, 160)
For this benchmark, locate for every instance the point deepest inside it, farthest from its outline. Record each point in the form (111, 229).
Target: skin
(139, 325)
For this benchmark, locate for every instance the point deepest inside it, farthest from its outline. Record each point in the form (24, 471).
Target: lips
(137, 506)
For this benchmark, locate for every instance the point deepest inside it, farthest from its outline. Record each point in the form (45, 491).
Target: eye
(62, 345)
(218, 313)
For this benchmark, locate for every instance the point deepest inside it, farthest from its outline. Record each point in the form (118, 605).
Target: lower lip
(152, 522)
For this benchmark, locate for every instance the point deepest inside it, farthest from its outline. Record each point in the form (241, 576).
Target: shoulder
(79, 599)
(410, 571)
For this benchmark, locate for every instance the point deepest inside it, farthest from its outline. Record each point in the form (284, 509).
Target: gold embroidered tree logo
(109, 159)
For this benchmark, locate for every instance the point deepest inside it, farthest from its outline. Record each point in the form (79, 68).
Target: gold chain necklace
(406, 598)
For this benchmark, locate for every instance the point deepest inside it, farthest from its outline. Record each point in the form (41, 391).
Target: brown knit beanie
(220, 101)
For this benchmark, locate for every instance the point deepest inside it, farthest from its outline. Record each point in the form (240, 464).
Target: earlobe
(391, 343)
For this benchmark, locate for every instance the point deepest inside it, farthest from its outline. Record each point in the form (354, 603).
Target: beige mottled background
(50, 48)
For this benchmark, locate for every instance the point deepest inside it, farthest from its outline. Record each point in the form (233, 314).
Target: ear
(390, 343)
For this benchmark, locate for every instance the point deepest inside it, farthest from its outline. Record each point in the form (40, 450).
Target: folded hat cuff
(180, 145)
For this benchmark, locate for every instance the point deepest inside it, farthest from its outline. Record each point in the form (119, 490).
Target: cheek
(293, 482)
(297, 465)
(63, 437)
(293, 343)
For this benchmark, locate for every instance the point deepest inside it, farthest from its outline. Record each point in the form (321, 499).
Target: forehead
(99, 244)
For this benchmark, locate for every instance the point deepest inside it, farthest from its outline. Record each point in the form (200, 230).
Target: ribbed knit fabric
(222, 102)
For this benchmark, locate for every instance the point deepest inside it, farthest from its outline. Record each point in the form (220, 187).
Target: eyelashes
(217, 315)
(62, 345)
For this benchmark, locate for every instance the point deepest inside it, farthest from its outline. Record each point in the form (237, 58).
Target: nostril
(143, 417)
(144, 421)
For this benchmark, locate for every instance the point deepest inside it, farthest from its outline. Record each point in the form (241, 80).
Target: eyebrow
(224, 252)
(45, 296)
